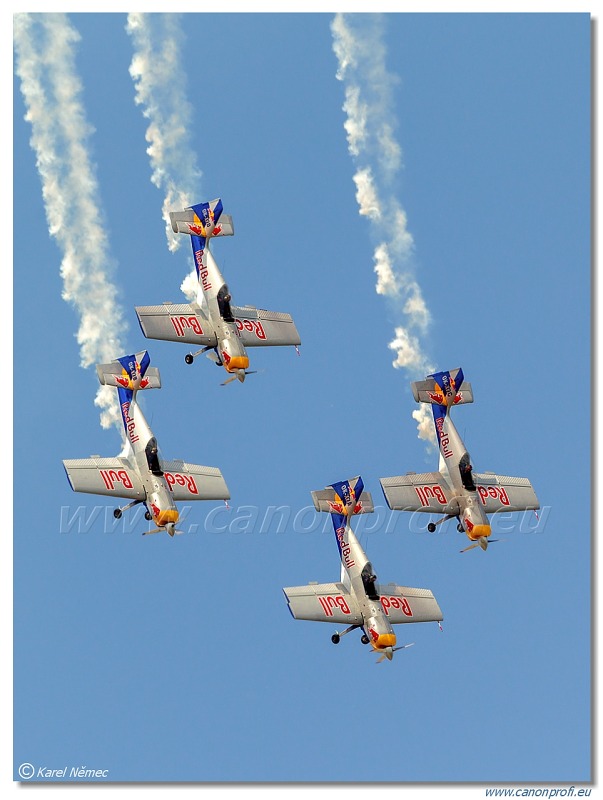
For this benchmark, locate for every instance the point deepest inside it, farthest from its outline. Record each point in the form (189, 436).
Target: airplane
(455, 490)
(221, 330)
(358, 599)
(142, 476)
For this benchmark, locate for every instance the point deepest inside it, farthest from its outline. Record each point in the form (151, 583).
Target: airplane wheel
(431, 527)
(460, 528)
(335, 638)
(364, 639)
(117, 513)
(148, 516)
(188, 358)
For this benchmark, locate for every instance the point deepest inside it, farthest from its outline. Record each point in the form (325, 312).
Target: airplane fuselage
(456, 468)
(158, 499)
(358, 569)
(229, 347)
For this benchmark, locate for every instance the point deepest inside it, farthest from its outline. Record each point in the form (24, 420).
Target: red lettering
(400, 603)
(495, 492)
(329, 602)
(252, 326)
(112, 476)
(182, 480)
(436, 492)
(180, 323)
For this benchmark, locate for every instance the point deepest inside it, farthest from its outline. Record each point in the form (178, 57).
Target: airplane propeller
(389, 652)
(240, 375)
(170, 528)
(483, 543)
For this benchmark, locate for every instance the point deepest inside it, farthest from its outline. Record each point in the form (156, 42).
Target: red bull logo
(202, 270)
(129, 423)
(439, 399)
(198, 230)
(444, 438)
(344, 547)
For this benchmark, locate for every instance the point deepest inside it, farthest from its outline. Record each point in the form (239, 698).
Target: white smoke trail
(160, 83)
(45, 63)
(370, 130)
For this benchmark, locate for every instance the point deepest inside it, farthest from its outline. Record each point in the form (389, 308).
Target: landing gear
(117, 512)
(190, 357)
(433, 525)
(148, 516)
(460, 528)
(364, 639)
(335, 638)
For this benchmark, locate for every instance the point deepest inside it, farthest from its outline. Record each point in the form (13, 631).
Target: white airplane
(142, 476)
(456, 491)
(358, 599)
(221, 330)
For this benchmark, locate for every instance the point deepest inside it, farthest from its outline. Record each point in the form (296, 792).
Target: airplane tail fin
(130, 372)
(344, 498)
(203, 219)
(443, 389)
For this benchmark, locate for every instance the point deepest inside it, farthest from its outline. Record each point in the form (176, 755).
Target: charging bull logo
(339, 507)
(127, 380)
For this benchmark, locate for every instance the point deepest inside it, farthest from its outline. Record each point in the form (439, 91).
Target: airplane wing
(504, 493)
(258, 327)
(114, 477)
(424, 491)
(177, 322)
(323, 602)
(404, 604)
(194, 482)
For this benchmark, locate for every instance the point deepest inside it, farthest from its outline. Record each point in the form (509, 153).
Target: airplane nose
(238, 362)
(171, 528)
(385, 640)
(167, 517)
(480, 532)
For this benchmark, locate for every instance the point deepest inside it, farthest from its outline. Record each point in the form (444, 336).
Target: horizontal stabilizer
(328, 500)
(441, 389)
(130, 372)
(203, 219)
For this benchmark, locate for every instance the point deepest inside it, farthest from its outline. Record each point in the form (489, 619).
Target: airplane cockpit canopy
(224, 298)
(368, 581)
(466, 471)
(151, 451)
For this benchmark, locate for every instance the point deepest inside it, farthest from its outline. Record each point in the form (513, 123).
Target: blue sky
(177, 660)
